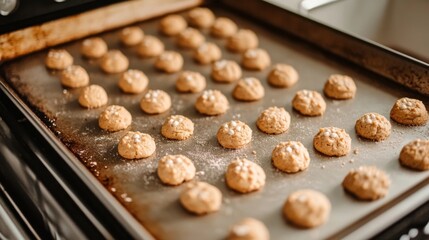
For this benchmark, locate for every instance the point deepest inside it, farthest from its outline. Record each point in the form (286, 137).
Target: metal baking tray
(135, 185)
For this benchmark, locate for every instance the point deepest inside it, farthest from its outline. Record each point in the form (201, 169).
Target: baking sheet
(156, 206)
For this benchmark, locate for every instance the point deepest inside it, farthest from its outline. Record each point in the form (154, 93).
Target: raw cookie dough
(212, 102)
(309, 103)
(249, 229)
(307, 208)
(226, 71)
(273, 120)
(415, 155)
(114, 61)
(244, 176)
(256, 59)
(190, 38)
(207, 53)
(150, 47)
(93, 96)
(242, 40)
(409, 111)
(58, 59)
(169, 62)
(172, 25)
(340, 87)
(234, 134)
(155, 101)
(190, 82)
(74, 76)
(248, 89)
(131, 36)
(367, 183)
(201, 17)
(290, 157)
(177, 127)
(283, 76)
(175, 169)
(332, 141)
(133, 81)
(201, 198)
(223, 27)
(373, 126)
(136, 145)
(94, 47)
(114, 118)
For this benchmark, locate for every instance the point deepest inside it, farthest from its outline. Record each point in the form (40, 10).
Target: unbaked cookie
(244, 176)
(172, 25)
(248, 89)
(131, 36)
(136, 145)
(256, 59)
(94, 47)
(409, 111)
(190, 82)
(74, 76)
(58, 59)
(201, 198)
(93, 96)
(283, 76)
(175, 169)
(307, 208)
(169, 62)
(415, 155)
(207, 53)
(249, 229)
(155, 101)
(242, 40)
(114, 118)
(226, 71)
(373, 126)
(114, 61)
(212, 102)
(201, 17)
(234, 134)
(150, 47)
(332, 141)
(290, 157)
(309, 103)
(177, 127)
(273, 120)
(340, 87)
(223, 27)
(367, 183)
(190, 38)
(133, 81)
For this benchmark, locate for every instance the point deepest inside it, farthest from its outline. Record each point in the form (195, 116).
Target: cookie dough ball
(340, 87)
(207, 53)
(131, 36)
(169, 62)
(242, 40)
(212, 102)
(177, 127)
(190, 82)
(114, 118)
(248, 89)
(234, 134)
(223, 27)
(114, 61)
(93, 96)
(373, 126)
(273, 120)
(190, 38)
(133, 81)
(249, 229)
(74, 76)
(201, 17)
(256, 59)
(94, 47)
(290, 157)
(309, 103)
(201, 198)
(244, 176)
(283, 76)
(415, 155)
(332, 141)
(367, 183)
(150, 47)
(58, 59)
(226, 71)
(172, 25)
(155, 102)
(136, 145)
(175, 169)
(409, 111)
(307, 208)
